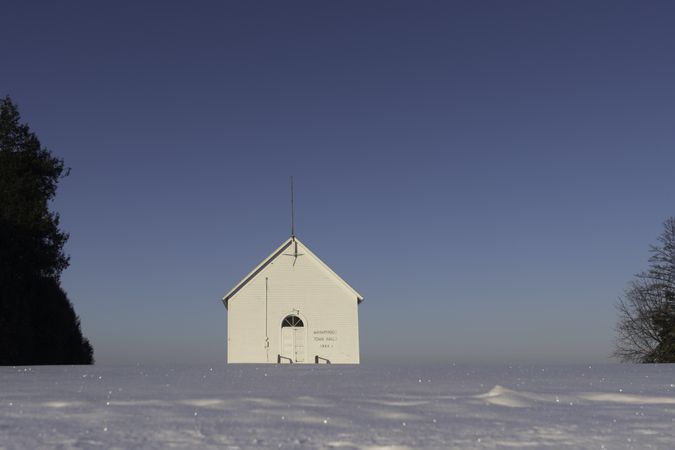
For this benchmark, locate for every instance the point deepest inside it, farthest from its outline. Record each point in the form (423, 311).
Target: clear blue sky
(488, 174)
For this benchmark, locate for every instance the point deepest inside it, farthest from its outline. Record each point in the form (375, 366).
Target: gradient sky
(489, 175)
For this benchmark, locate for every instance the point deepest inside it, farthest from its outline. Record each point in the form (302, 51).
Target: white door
(293, 339)
(299, 344)
(287, 343)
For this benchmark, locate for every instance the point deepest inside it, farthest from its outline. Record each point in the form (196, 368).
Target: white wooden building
(292, 308)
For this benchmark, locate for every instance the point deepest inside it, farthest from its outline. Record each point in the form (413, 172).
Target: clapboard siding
(327, 306)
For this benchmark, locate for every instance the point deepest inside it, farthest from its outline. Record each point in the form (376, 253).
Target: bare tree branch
(646, 327)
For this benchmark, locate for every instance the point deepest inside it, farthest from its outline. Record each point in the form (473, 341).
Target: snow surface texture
(342, 407)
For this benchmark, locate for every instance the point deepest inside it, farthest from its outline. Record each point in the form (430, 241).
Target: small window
(292, 321)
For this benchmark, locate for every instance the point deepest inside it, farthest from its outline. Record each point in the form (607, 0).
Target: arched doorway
(293, 338)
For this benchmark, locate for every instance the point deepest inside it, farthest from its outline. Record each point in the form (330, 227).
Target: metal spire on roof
(295, 253)
(292, 210)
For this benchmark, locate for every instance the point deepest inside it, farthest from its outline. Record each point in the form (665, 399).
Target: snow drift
(367, 406)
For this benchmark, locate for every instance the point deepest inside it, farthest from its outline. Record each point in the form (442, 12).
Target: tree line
(38, 324)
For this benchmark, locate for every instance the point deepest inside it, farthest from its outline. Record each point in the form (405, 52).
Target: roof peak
(292, 239)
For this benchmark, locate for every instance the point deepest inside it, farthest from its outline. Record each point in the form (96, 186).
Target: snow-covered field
(367, 406)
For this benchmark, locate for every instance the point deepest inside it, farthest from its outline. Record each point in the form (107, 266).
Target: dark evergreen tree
(646, 328)
(37, 322)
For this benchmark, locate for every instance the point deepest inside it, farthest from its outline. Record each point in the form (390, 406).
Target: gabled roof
(278, 252)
